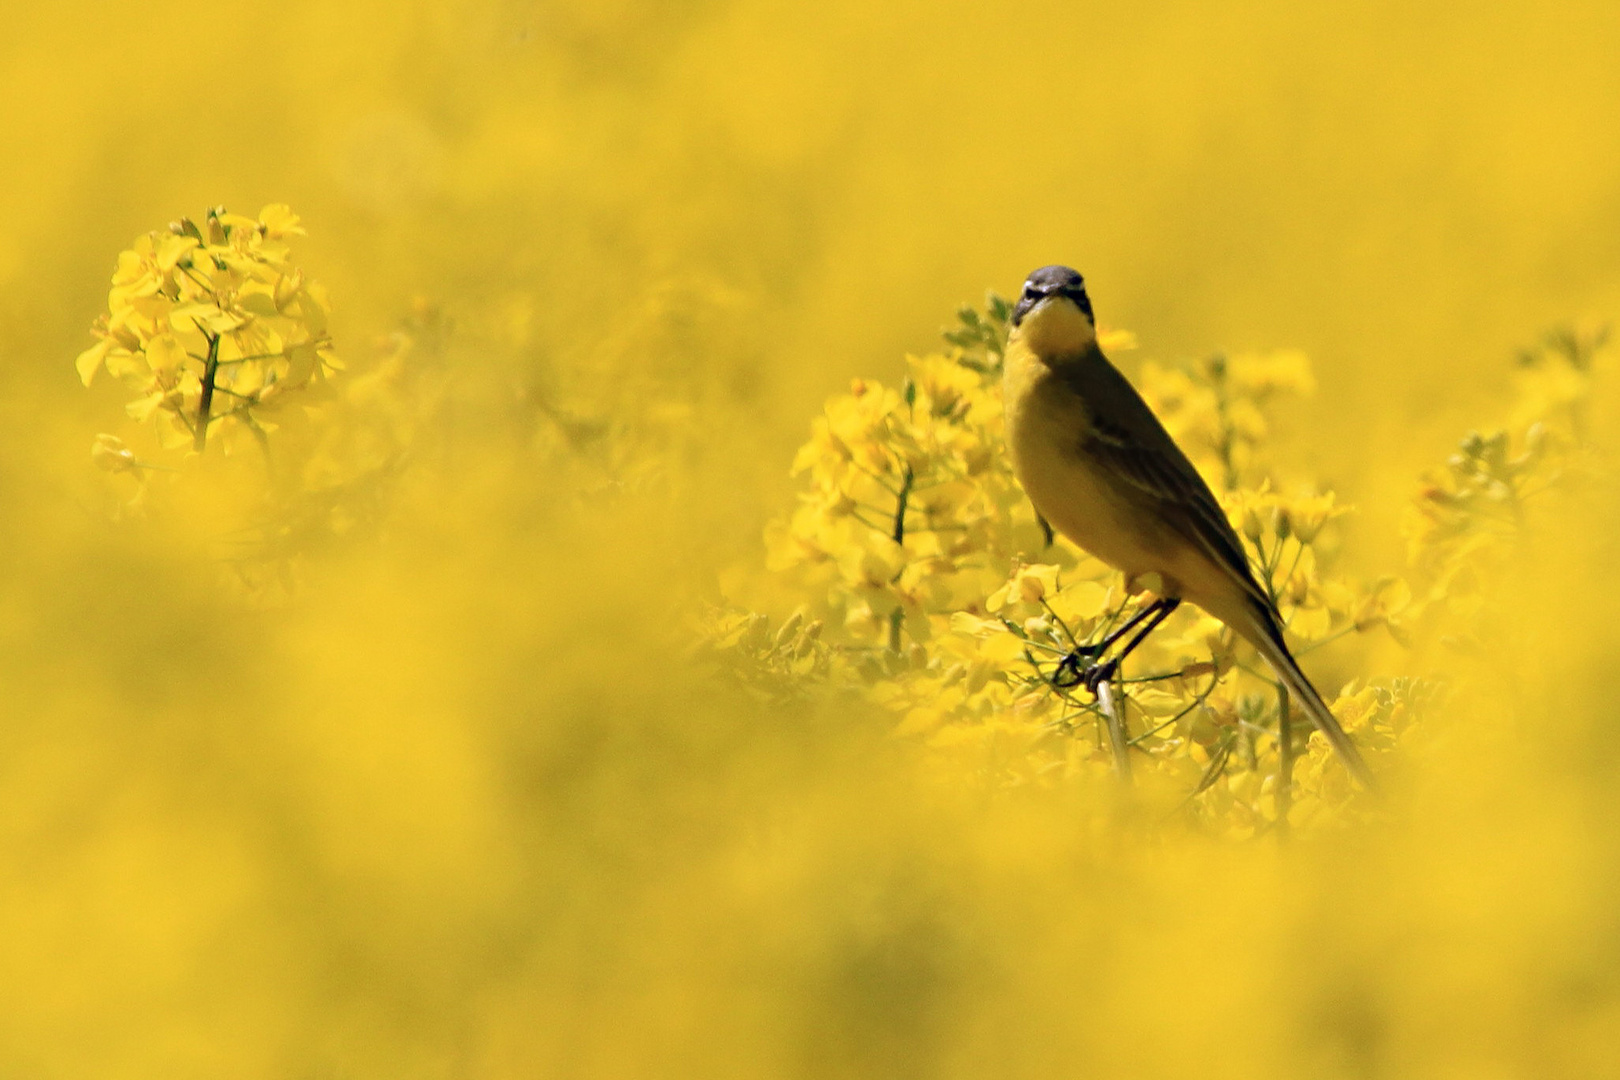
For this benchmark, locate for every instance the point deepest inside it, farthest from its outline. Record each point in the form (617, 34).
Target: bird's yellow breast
(1046, 422)
(1047, 425)
(1056, 327)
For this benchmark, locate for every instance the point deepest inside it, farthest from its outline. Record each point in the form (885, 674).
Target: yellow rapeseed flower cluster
(211, 311)
(224, 342)
(916, 572)
(218, 332)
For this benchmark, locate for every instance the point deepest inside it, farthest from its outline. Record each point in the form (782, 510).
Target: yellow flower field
(511, 568)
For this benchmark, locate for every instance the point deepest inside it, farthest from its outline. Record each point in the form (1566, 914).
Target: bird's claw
(1096, 673)
(1070, 674)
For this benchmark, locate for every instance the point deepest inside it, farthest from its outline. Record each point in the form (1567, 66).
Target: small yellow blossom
(1028, 585)
(109, 453)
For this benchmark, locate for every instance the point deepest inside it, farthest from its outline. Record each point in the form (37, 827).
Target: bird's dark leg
(1098, 672)
(1069, 673)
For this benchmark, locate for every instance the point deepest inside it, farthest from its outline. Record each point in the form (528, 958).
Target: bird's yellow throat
(1056, 327)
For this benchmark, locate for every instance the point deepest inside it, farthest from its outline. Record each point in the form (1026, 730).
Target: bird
(1102, 471)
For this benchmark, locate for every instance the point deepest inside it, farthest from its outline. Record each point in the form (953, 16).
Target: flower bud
(1308, 525)
(1031, 589)
(109, 452)
(1281, 524)
(1251, 525)
(1535, 439)
(807, 640)
(1299, 587)
(758, 627)
(788, 628)
(287, 287)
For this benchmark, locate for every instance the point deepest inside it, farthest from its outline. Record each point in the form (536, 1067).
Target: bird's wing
(1127, 440)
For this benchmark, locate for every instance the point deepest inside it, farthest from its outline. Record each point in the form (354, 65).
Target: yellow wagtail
(1102, 471)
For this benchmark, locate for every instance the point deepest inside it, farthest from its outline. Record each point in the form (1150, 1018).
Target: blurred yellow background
(457, 809)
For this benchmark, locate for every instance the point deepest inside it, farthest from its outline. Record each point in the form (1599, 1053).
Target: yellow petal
(1311, 623)
(1081, 600)
(121, 364)
(963, 622)
(90, 360)
(142, 408)
(206, 316)
(173, 433)
(286, 289)
(301, 364)
(165, 353)
(238, 221)
(260, 303)
(131, 268)
(279, 220)
(172, 249)
(1003, 648)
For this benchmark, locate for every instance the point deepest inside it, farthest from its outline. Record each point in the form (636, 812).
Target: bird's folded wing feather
(1128, 441)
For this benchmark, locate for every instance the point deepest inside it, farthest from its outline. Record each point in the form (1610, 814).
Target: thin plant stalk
(1285, 760)
(1116, 729)
(206, 403)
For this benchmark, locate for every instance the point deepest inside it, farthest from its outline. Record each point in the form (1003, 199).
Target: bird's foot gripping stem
(1074, 670)
(1076, 667)
(1070, 673)
(1096, 673)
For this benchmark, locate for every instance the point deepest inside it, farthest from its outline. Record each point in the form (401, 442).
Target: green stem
(206, 403)
(1285, 760)
(1228, 434)
(1313, 646)
(900, 509)
(1199, 700)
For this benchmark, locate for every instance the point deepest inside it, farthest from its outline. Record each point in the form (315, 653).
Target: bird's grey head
(1051, 281)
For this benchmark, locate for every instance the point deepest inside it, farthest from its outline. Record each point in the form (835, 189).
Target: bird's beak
(1025, 305)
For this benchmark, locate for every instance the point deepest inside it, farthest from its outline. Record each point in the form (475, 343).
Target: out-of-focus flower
(109, 453)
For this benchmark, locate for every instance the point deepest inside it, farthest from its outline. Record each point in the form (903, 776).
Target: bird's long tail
(1266, 635)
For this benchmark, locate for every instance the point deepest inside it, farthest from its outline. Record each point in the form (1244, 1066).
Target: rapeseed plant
(217, 310)
(911, 584)
(946, 600)
(370, 748)
(913, 569)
